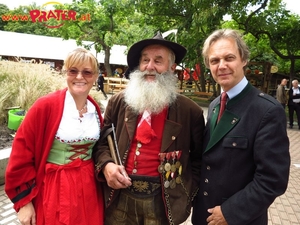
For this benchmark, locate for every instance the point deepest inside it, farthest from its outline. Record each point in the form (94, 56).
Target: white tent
(51, 48)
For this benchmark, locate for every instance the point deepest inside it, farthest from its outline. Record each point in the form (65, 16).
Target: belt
(144, 186)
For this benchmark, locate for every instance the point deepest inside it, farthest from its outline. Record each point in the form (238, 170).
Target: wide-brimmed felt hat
(136, 49)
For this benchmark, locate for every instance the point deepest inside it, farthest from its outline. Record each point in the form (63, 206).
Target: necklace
(80, 112)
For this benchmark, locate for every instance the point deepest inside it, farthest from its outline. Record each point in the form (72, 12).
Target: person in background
(159, 137)
(116, 73)
(245, 160)
(50, 174)
(281, 95)
(100, 83)
(294, 103)
(126, 74)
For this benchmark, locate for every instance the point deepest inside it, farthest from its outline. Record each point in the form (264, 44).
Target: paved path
(284, 211)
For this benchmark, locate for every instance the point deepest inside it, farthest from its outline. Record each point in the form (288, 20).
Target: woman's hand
(26, 215)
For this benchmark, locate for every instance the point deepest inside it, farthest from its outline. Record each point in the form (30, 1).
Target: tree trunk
(106, 61)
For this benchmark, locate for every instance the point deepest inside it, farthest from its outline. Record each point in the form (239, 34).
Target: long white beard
(154, 96)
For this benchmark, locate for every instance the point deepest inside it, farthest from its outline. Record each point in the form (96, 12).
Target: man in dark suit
(294, 103)
(245, 161)
(100, 84)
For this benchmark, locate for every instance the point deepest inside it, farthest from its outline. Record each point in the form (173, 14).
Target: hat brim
(136, 49)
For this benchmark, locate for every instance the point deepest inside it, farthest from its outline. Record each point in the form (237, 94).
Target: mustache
(146, 72)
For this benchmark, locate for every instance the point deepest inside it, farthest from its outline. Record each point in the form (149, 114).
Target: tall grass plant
(21, 84)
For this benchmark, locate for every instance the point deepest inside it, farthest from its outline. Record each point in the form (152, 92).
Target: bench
(186, 91)
(203, 95)
(114, 88)
(113, 85)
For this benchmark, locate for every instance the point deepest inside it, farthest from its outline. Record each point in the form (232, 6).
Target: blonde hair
(78, 57)
(226, 34)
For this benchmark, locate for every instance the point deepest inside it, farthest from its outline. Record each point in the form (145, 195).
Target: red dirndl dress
(70, 195)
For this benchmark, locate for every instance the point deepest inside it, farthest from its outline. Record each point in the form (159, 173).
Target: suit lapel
(171, 128)
(170, 133)
(227, 122)
(214, 116)
(130, 122)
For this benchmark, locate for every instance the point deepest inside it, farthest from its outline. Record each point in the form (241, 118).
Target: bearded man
(159, 138)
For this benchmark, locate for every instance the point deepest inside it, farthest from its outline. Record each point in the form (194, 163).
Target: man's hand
(216, 217)
(26, 214)
(116, 176)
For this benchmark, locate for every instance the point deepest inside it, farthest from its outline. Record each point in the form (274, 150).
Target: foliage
(275, 26)
(19, 20)
(270, 31)
(23, 83)
(3, 10)
(111, 23)
(195, 20)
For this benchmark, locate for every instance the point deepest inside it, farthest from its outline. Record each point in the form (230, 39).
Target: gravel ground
(6, 137)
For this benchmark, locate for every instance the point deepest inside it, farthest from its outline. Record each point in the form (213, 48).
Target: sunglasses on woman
(84, 73)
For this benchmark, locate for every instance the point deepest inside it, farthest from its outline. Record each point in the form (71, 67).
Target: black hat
(135, 50)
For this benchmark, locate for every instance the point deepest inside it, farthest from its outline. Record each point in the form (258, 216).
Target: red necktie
(222, 106)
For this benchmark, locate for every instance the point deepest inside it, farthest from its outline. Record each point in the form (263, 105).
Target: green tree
(274, 31)
(111, 22)
(194, 19)
(127, 21)
(19, 20)
(279, 28)
(3, 11)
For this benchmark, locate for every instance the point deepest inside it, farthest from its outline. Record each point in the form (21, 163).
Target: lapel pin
(234, 120)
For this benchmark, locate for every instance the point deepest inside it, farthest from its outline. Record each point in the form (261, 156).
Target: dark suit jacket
(183, 131)
(100, 81)
(291, 96)
(246, 160)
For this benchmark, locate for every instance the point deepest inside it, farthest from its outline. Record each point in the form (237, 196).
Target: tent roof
(44, 47)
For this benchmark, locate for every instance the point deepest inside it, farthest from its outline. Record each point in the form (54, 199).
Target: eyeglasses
(84, 73)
